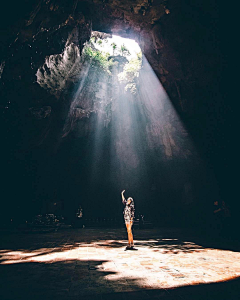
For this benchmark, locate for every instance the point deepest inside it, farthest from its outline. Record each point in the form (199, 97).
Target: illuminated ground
(92, 264)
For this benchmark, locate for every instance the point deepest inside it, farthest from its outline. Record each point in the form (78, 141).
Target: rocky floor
(92, 264)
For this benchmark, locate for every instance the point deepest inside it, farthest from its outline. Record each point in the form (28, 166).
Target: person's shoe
(132, 248)
(128, 248)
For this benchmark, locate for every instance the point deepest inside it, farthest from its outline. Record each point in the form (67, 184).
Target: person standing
(128, 213)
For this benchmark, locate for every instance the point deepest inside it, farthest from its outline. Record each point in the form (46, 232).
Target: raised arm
(123, 198)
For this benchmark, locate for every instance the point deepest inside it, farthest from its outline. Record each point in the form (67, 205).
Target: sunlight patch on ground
(155, 264)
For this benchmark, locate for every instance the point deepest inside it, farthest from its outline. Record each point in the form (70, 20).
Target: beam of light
(101, 122)
(146, 127)
(139, 129)
(74, 109)
(164, 128)
(136, 140)
(112, 119)
(157, 264)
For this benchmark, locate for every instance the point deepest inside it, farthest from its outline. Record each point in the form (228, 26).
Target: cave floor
(92, 264)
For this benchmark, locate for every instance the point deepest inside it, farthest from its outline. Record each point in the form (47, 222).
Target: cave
(84, 118)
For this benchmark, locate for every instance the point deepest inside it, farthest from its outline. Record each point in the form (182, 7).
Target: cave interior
(73, 135)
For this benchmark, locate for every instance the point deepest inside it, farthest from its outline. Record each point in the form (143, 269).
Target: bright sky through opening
(131, 45)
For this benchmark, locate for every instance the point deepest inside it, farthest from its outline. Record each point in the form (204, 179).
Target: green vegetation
(114, 46)
(124, 51)
(130, 74)
(100, 59)
(97, 58)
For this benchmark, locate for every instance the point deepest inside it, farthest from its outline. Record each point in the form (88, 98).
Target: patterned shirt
(128, 211)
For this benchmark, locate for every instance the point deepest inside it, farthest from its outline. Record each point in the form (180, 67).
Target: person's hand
(123, 191)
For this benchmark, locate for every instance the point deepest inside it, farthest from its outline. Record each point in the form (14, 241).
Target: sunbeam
(135, 137)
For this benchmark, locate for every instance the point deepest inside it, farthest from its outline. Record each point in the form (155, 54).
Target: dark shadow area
(55, 280)
(219, 291)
